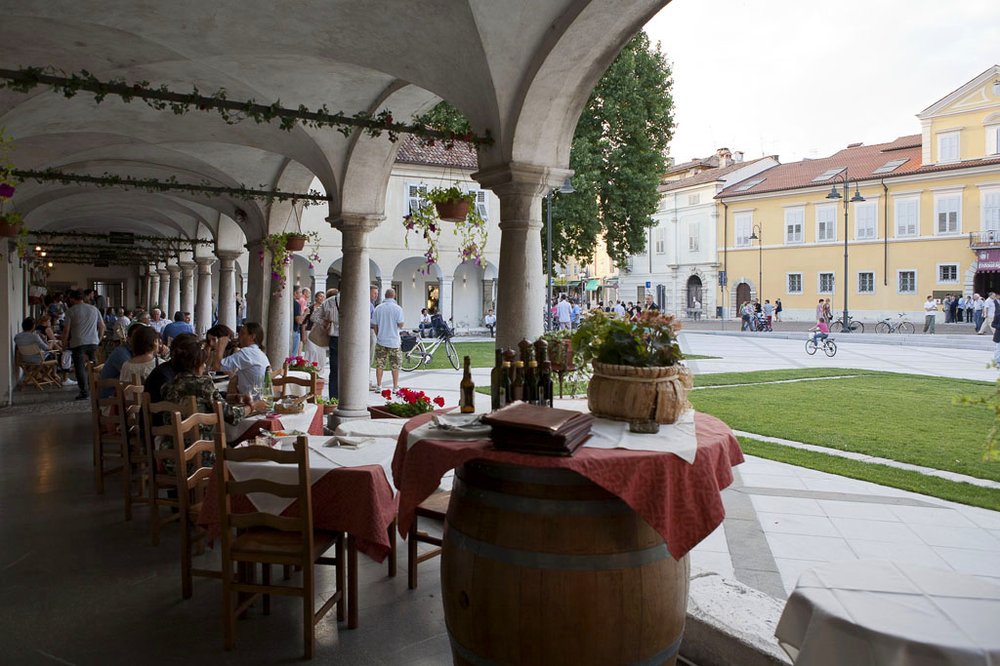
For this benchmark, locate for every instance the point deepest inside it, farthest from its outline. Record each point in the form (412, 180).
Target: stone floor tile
(707, 561)
(787, 505)
(919, 515)
(981, 517)
(785, 523)
(914, 553)
(799, 547)
(790, 570)
(714, 542)
(958, 537)
(971, 561)
(874, 530)
(772, 481)
(863, 510)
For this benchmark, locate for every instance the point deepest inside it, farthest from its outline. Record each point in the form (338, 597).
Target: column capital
(174, 270)
(204, 262)
(162, 272)
(187, 266)
(521, 178)
(230, 255)
(364, 222)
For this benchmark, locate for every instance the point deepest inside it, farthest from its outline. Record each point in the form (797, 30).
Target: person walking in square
(388, 318)
(930, 315)
(564, 312)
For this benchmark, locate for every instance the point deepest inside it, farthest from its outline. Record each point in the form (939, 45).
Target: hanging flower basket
(8, 230)
(453, 210)
(296, 242)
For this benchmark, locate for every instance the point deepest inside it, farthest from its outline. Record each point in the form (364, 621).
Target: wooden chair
(180, 445)
(434, 507)
(267, 539)
(135, 454)
(109, 429)
(94, 374)
(283, 380)
(38, 375)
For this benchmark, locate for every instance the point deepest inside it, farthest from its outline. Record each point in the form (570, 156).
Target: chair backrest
(179, 443)
(109, 412)
(228, 488)
(29, 350)
(132, 399)
(281, 383)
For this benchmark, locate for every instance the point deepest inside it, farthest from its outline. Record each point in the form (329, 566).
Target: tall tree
(618, 156)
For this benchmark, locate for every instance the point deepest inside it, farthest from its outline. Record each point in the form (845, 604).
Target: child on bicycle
(822, 330)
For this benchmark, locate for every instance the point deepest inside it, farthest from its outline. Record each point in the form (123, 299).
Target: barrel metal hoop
(545, 507)
(551, 476)
(477, 660)
(559, 561)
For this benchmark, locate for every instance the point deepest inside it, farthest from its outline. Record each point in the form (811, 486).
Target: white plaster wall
(12, 309)
(81, 276)
(467, 296)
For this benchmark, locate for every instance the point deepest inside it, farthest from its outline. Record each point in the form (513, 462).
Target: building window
(991, 209)
(992, 139)
(907, 282)
(907, 216)
(481, 207)
(866, 283)
(660, 243)
(693, 237)
(948, 273)
(795, 283)
(794, 217)
(415, 195)
(826, 283)
(826, 223)
(948, 147)
(744, 228)
(694, 199)
(865, 219)
(948, 214)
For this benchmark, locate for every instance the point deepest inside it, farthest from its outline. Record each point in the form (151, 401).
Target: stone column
(152, 287)
(227, 287)
(203, 305)
(257, 280)
(354, 318)
(318, 283)
(521, 287)
(279, 324)
(164, 297)
(175, 289)
(187, 286)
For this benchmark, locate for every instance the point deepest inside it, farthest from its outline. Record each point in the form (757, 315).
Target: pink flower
(6, 191)
(439, 401)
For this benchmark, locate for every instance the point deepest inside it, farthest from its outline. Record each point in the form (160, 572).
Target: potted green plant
(451, 203)
(295, 242)
(403, 404)
(638, 375)
(425, 219)
(281, 255)
(11, 223)
(328, 405)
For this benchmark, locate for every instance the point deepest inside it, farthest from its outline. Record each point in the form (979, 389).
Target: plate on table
(466, 424)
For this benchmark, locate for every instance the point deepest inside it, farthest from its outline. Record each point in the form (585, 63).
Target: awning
(592, 285)
(989, 261)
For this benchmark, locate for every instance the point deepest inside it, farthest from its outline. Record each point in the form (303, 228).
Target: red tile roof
(412, 151)
(707, 176)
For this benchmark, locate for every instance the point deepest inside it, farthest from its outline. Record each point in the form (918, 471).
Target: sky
(803, 78)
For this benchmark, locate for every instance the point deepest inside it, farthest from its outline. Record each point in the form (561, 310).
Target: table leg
(352, 582)
(392, 549)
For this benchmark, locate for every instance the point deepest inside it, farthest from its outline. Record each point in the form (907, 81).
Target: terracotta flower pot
(329, 409)
(295, 243)
(8, 230)
(627, 393)
(454, 210)
(382, 413)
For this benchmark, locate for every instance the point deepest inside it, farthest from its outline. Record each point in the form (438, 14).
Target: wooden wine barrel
(543, 567)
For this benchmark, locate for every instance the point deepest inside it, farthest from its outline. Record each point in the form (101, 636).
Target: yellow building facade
(923, 218)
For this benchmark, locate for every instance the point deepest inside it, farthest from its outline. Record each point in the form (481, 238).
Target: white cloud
(801, 78)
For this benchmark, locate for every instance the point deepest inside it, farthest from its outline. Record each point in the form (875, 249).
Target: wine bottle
(545, 384)
(506, 387)
(467, 401)
(495, 382)
(509, 356)
(524, 347)
(531, 382)
(267, 390)
(517, 389)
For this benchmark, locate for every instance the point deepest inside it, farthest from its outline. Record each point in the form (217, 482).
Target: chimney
(725, 157)
(738, 156)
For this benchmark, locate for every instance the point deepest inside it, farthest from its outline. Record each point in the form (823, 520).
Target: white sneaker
(69, 381)
(374, 389)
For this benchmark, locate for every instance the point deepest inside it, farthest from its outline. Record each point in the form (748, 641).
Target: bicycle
(855, 326)
(902, 326)
(828, 345)
(418, 351)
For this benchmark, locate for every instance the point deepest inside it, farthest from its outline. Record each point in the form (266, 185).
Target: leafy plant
(409, 403)
(649, 341)
(302, 365)
(425, 221)
(277, 245)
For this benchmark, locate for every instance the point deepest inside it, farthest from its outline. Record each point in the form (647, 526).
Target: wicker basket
(627, 393)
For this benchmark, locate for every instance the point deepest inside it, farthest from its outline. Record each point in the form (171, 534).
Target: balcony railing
(984, 239)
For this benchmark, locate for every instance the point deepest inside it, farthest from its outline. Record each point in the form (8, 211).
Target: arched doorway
(694, 288)
(742, 294)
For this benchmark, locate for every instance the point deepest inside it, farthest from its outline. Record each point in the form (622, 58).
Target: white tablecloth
(871, 613)
(289, 422)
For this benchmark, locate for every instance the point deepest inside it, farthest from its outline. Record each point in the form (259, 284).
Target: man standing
(650, 303)
(297, 319)
(372, 298)
(388, 318)
(930, 314)
(620, 310)
(768, 311)
(328, 316)
(977, 311)
(564, 313)
(82, 332)
(989, 310)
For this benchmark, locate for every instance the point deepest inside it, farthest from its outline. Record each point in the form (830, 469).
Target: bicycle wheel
(906, 327)
(451, 353)
(830, 348)
(413, 358)
(883, 327)
(837, 326)
(810, 347)
(857, 327)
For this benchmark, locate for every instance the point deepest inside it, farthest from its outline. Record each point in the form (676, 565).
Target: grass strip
(723, 378)
(884, 475)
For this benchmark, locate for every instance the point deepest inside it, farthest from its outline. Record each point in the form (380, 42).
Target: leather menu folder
(541, 430)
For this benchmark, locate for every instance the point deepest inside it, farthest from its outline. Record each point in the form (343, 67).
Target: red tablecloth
(356, 500)
(681, 501)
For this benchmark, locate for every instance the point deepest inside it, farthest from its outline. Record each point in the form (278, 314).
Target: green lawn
(480, 353)
(908, 418)
(724, 378)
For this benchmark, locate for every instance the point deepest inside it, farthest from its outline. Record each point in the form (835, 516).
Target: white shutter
(991, 211)
(414, 196)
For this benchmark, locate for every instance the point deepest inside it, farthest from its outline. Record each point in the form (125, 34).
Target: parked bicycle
(853, 325)
(828, 346)
(759, 323)
(889, 326)
(418, 351)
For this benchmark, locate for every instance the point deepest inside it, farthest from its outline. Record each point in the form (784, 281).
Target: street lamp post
(756, 235)
(565, 188)
(834, 194)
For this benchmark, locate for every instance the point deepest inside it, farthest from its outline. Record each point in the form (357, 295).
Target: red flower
(439, 401)
(387, 394)
(315, 364)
